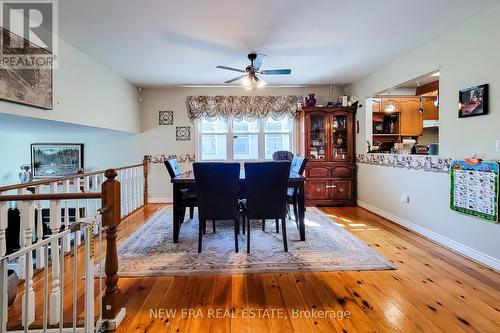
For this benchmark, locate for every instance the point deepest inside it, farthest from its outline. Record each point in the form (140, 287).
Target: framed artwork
(31, 86)
(183, 133)
(474, 189)
(56, 159)
(473, 101)
(166, 117)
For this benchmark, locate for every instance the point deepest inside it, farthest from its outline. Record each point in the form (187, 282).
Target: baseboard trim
(161, 200)
(455, 246)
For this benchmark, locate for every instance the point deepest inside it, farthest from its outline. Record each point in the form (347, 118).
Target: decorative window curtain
(249, 107)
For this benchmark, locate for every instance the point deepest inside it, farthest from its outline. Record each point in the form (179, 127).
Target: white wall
(102, 149)
(467, 56)
(161, 139)
(87, 93)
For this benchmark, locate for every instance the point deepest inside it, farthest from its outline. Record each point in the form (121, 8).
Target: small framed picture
(56, 159)
(473, 101)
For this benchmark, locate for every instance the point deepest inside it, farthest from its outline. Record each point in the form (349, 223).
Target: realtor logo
(28, 34)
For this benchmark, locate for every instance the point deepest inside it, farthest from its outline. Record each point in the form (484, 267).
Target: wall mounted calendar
(474, 189)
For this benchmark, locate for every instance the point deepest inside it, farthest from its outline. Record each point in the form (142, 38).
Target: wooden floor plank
(432, 290)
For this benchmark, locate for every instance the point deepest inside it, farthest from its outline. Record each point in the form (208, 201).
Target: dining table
(186, 181)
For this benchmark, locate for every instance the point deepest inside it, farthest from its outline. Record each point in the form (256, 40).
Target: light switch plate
(405, 198)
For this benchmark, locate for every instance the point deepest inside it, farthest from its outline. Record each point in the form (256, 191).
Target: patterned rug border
(385, 264)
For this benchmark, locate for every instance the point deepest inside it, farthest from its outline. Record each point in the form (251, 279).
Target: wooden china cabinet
(328, 142)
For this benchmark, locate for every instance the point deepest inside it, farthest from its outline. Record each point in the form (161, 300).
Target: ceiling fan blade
(235, 79)
(276, 71)
(232, 69)
(259, 60)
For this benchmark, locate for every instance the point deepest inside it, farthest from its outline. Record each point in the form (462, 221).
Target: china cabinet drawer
(342, 172)
(317, 172)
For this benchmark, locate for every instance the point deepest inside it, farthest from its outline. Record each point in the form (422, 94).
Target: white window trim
(229, 141)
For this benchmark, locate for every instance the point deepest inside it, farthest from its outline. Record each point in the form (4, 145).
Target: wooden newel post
(111, 203)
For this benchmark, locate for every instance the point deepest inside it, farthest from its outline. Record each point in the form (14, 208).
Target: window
(243, 140)
(277, 135)
(213, 140)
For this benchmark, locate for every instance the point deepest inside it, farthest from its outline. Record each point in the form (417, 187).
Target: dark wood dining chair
(298, 166)
(266, 189)
(189, 198)
(282, 155)
(217, 186)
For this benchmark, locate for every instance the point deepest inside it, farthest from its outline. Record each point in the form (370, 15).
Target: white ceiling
(179, 42)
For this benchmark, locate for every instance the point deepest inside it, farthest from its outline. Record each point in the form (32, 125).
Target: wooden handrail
(58, 179)
(51, 196)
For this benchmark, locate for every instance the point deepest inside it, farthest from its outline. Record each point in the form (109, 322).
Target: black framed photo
(473, 101)
(56, 159)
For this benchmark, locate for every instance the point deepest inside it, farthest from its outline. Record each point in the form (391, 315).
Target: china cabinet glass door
(340, 139)
(318, 140)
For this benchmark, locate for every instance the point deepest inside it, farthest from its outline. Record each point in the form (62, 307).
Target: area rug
(149, 251)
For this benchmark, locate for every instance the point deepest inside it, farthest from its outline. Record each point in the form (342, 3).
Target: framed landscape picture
(56, 159)
(473, 101)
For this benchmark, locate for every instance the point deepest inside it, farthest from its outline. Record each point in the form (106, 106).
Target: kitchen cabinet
(396, 101)
(329, 145)
(431, 112)
(411, 117)
(376, 105)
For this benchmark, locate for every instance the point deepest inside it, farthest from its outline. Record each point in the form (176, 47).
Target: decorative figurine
(311, 101)
(25, 174)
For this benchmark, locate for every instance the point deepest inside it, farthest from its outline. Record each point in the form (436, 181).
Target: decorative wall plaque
(165, 117)
(183, 133)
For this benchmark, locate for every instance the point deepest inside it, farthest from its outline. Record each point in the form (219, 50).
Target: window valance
(243, 106)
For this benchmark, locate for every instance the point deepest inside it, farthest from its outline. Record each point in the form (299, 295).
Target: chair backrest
(266, 188)
(298, 164)
(217, 187)
(173, 168)
(282, 155)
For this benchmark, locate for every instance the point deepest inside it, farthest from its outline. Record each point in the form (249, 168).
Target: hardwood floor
(433, 290)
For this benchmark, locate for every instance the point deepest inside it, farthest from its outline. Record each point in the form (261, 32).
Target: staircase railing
(114, 193)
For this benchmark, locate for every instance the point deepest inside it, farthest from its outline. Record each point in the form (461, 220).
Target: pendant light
(390, 106)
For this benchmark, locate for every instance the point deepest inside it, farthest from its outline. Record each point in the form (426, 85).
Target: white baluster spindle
(67, 243)
(20, 261)
(77, 234)
(125, 191)
(55, 225)
(141, 184)
(27, 209)
(40, 253)
(138, 187)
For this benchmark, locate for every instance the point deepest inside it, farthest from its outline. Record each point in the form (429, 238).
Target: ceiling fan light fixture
(251, 79)
(390, 107)
(247, 81)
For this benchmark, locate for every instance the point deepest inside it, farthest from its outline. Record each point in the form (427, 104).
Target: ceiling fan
(252, 77)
